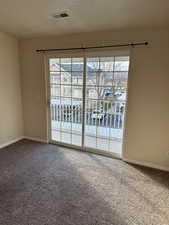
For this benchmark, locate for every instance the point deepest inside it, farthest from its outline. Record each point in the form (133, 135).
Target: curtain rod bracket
(132, 44)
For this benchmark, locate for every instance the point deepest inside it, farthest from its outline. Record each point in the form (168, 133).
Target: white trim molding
(10, 142)
(146, 164)
(35, 139)
(21, 138)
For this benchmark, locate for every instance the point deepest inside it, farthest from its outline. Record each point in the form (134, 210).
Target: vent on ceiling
(61, 15)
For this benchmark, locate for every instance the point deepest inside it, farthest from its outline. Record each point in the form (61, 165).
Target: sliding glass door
(87, 101)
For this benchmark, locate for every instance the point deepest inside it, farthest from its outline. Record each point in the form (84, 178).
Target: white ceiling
(33, 18)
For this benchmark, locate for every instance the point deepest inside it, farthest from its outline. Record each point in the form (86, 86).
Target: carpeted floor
(43, 184)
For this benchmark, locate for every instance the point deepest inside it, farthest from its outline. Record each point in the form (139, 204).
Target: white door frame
(84, 54)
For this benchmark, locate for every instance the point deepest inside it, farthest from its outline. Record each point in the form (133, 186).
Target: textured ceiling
(33, 18)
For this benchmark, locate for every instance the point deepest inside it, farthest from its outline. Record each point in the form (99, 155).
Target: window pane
(121, 63)
(102, 144)
(66, 64)
(54, 78)
(107, 63)
(91, 78)
(76, 139)
(77, 64)
(77, 105)
(55, 90)
(77, 78)
(66, 137)
(54, 64)
(120, 79)
(77, 92)
(90, 141)
(56, 135)
(66, 91)
(91, 92)
(55, 112)
(92, 64)
(65, 77)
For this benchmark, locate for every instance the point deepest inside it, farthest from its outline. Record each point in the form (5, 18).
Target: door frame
(83, 54)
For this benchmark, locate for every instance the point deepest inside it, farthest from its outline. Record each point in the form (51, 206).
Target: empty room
(84, 112)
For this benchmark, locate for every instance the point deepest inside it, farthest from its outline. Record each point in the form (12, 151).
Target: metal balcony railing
(105, 114)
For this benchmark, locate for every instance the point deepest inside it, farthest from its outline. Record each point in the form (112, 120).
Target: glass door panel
(66, 84)
(106, 93)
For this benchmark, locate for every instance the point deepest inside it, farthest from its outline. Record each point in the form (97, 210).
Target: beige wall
(10, 91)
(147, 124)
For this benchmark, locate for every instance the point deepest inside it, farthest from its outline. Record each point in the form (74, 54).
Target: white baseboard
(147, 164)
(21, 138)
(10, 142)
(35, 139)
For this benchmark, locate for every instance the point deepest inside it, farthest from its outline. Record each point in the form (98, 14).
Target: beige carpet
(45, 185)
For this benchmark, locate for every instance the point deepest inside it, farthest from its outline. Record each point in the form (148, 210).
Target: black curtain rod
(92, 47)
